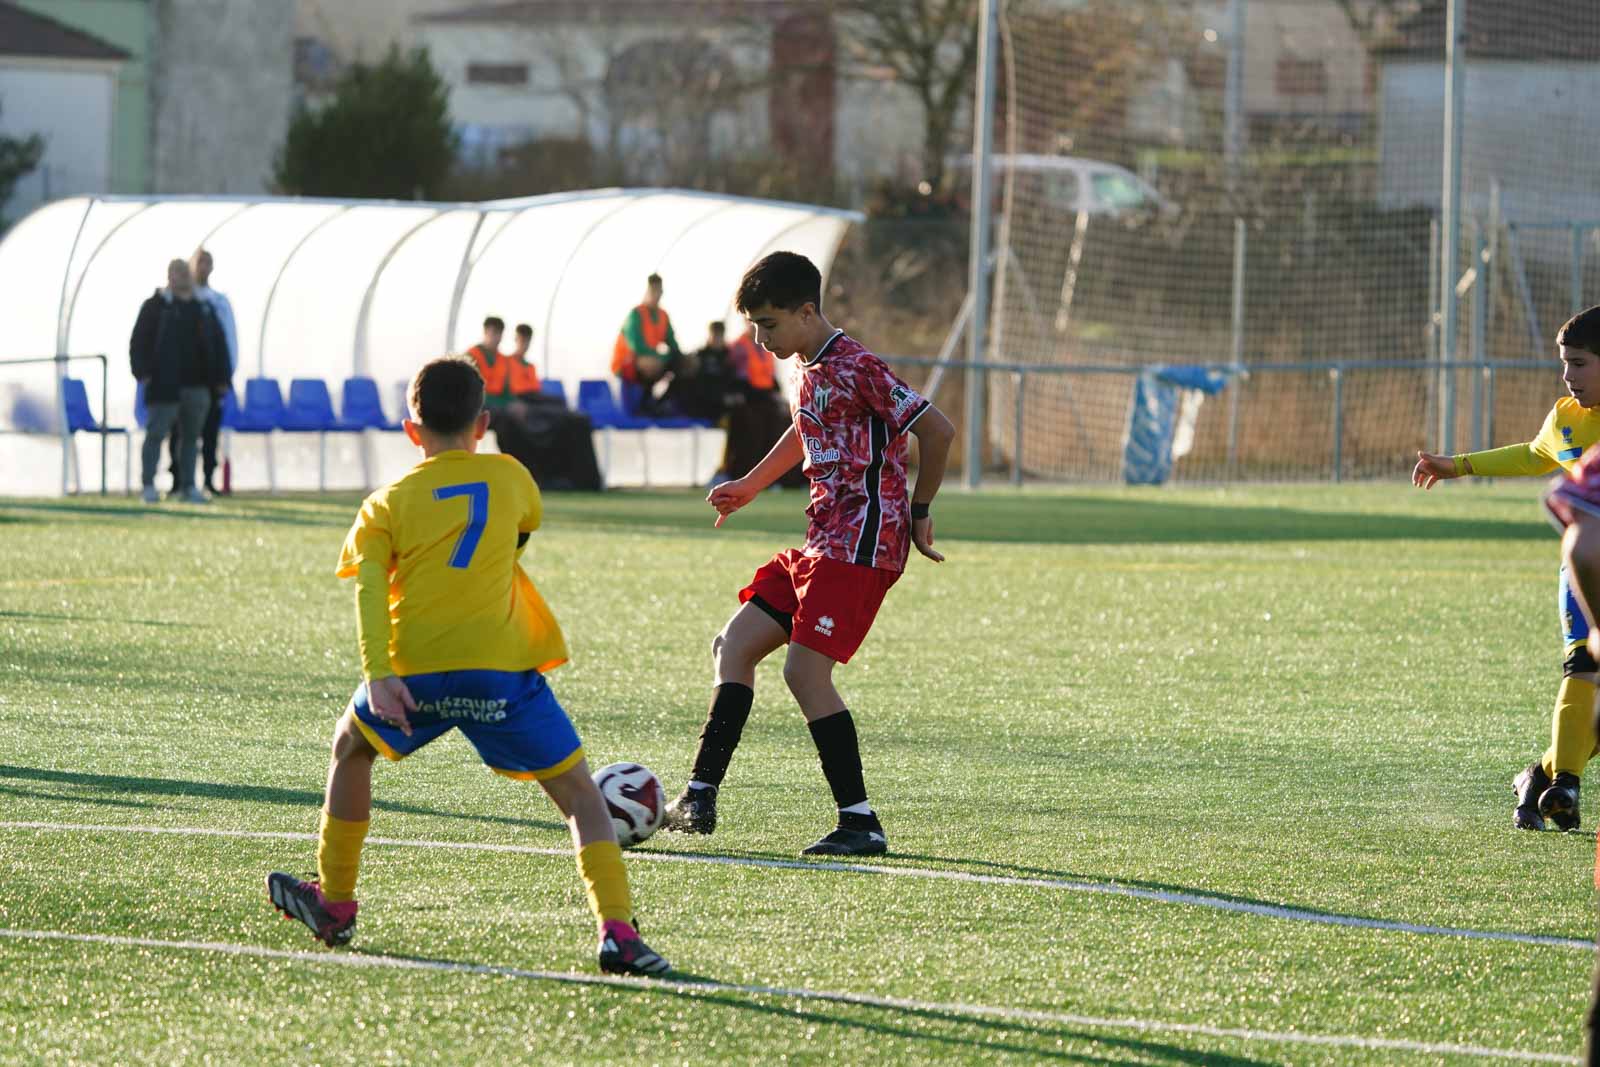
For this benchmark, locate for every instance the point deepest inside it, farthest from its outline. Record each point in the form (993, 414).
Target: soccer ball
(633, 794)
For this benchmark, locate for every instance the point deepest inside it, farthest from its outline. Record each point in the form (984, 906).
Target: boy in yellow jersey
(1548, 788)
(454, 635)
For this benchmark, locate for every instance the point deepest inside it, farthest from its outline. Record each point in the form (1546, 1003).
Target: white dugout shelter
(333, 289)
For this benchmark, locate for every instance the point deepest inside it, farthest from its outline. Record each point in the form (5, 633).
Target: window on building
(497, 74)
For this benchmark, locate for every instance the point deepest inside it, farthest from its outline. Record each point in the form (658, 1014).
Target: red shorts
(825, 604)
(1568, 497)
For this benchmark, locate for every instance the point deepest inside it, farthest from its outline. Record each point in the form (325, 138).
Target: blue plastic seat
(80, 419)
(361, 409)
(263, 407)
(554, 388)
(310, 409)
(595, 400)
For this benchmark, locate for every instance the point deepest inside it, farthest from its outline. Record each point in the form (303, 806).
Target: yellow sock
(339, 856)
(603, 876)
(1572, 736)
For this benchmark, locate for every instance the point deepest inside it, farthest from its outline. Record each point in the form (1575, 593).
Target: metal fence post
(1237, 354)
(1018, 380)
(1337, 373)
(1480, 329)
(1488, 402)
(1575, 277)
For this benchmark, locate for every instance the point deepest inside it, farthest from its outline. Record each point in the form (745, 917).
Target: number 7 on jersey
(477, 494)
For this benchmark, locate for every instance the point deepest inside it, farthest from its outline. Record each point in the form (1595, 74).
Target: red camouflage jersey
(1569, 494)
(852, 414)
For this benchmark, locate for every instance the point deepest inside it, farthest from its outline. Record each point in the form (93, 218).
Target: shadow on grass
(259, 794)
(69, 798)
(1038, 1031)
(46, 616)
(1068, 519)
(331, 513)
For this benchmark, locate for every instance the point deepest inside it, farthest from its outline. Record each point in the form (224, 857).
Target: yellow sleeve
(372, 619)
(368, 557)
(1513, 461)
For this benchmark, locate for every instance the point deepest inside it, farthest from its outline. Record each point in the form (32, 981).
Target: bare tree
(930, 47)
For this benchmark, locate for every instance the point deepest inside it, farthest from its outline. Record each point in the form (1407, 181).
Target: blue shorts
(511, 717)
(1574, 627)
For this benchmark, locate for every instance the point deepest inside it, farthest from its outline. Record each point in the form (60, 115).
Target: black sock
(835, 738)
(730, 707)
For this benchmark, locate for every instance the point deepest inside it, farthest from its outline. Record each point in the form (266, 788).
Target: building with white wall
(59, 83)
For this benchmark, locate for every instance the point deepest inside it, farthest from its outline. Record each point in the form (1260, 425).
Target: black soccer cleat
(844, 841)
(1559, 803)
(334, 924)
(1529, 787)
(623, 951)
(694, 812)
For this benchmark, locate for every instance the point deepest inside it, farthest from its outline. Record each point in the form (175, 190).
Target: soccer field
(1169, 777)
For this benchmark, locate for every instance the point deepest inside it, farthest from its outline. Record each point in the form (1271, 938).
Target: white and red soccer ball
(633, 794)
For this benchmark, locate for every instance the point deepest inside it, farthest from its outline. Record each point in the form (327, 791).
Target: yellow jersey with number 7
(444, 540)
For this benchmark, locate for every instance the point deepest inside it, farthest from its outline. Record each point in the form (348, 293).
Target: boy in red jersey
(1574, 506)
(850, 421)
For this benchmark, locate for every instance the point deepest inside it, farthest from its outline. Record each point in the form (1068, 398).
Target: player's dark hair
(496, 322)
(1582, 331)
(446, 395)
(782, 280)
(654, 279)
(524, 330)
(717, 326)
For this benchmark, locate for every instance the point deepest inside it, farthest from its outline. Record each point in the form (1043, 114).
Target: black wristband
(919, 511)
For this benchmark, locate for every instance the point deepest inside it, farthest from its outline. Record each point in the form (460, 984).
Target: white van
(1072, 183)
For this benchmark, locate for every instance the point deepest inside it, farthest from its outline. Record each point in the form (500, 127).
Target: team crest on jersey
(820, 397)
(903, 400)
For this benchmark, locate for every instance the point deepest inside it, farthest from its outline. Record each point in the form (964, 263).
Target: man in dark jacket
(180, 356)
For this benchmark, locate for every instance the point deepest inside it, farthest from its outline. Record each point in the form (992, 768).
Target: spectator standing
(646, 350)
(201, 265)
(179, 354)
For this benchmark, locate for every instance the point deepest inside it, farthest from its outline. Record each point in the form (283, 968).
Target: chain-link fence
(1257, 184)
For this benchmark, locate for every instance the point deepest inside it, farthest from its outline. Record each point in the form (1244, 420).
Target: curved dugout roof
(330, 288)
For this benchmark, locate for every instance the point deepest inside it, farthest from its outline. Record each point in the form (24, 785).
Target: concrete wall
(127, 24)
(1528, 125)
(222, 89)
(71, 105)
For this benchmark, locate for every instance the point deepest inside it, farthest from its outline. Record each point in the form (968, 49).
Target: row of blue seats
(310, 407)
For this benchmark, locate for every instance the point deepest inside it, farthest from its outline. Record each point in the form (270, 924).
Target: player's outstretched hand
(922, 537)
(390, 700)
(728, 497)
(1431, 468)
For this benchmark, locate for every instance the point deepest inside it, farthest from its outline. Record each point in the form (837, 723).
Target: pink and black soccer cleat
(622, 951)
(334, 924)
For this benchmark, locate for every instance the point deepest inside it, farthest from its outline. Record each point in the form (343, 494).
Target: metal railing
(1480, 412)
(61, 361)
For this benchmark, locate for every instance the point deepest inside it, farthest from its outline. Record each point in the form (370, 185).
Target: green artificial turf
(1312, 697)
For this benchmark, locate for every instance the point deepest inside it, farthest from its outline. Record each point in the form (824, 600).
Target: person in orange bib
(646, 350)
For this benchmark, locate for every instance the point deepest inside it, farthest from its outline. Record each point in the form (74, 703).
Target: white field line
(700, 988)
(1160, 896)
